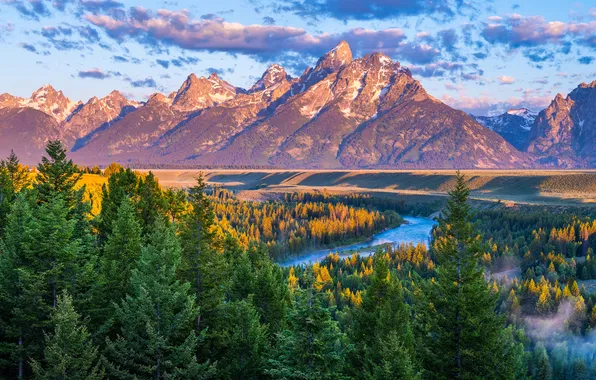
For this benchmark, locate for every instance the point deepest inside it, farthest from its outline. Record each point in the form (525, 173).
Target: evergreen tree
(202, 265)
(460, 334)
(270, 295)
(7, 193)
(579, 369)
(559, 358)
(68, 352)
(156, 338)
(122, 184)
(39, 261)
(382, 335)
(57, 175)
(312, 347)
(240, 341)
(13, 178)
(151, 202)
(18, 174)
(19, 332)
(120, 255)
(542, 369)
(176, 203)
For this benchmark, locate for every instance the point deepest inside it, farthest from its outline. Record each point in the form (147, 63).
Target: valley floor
(538, 187)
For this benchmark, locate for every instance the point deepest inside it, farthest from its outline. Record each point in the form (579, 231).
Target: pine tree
(120, 255)
(18, 174)
(312, 347)
(68, 352)
(152, 203)
(381, 334)
(54, 248)
(240, 341)
(57, 175)
(460, 334)
(176, 203)
(559, 359)
(39, 261)
(19, 332)
(271, 294)
(202, 266)
(542, 369)
(13, 178)
(579, 369)
(122, 184)
(156, 337)
(7, 194)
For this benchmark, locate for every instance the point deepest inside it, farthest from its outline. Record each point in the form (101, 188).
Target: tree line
(295, 224)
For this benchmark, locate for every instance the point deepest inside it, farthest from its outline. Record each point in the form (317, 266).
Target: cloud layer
(163, 28)
(517, 31)
(374, 9)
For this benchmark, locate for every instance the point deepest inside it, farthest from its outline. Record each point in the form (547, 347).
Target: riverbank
(416, 230)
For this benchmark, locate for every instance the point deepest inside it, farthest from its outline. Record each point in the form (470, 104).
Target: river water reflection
(417, 230)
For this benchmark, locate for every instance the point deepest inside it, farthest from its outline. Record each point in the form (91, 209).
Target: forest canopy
(105, 274)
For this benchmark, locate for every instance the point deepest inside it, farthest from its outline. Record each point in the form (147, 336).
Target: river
(416, 230)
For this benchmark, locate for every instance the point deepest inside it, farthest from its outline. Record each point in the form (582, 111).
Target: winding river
(416, 230)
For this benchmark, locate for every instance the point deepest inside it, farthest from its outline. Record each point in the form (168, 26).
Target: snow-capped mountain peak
(523, 112)
(514, 125)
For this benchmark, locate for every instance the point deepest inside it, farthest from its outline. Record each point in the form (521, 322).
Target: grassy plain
(542, 187)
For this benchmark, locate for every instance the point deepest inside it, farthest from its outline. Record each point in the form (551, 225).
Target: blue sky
(479, 56)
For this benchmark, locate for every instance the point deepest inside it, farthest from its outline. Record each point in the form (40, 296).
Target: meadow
(540, 187)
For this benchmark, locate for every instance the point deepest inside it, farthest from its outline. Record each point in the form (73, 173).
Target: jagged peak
(381, 58)
(158, 98)
(523, 112)
(273, 75)
(45, 90)
(559, 98)
(115, 93)
(335, 58)
(117, 96)
(191, 78)
(6, 95)
(520, 111)
(588, 85)
(340, 48)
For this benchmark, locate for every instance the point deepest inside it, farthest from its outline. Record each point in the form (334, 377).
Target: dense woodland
(119, 278)
(296, 223)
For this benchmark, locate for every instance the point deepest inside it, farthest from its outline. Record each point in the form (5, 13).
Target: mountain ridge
(344, 112)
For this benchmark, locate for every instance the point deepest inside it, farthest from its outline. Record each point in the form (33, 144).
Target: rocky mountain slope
(344, 112)
(564, 133)
(514, 125)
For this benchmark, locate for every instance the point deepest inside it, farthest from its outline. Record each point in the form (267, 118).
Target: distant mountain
(128, 137)
(95, 116)
(514, 125)
(46, 99)
(200, 93)
(26, 125)
(564, 133)
(344, 112)
(26, 130)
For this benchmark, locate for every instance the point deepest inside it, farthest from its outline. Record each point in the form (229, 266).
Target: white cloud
(505, 79)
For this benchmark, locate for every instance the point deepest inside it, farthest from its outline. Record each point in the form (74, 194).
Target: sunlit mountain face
(301, 83)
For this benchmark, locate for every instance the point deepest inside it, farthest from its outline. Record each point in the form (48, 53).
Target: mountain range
(344, 112)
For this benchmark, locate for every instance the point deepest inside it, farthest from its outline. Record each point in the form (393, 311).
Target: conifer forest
(106, 274)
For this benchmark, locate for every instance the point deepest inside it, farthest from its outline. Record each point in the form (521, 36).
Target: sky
(480, 56)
